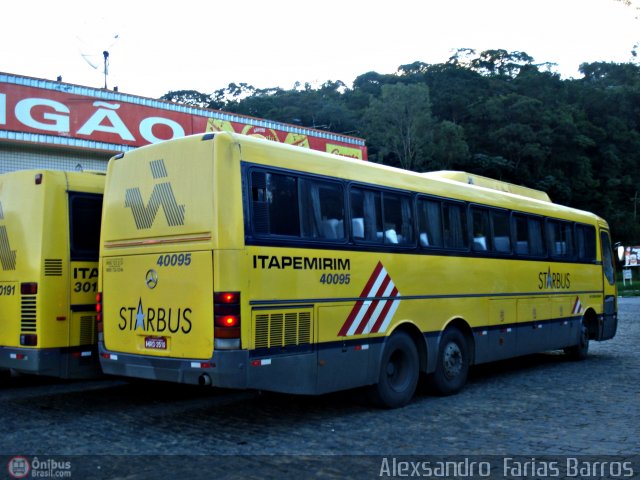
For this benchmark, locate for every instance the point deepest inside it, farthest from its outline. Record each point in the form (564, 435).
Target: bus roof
(479, 180)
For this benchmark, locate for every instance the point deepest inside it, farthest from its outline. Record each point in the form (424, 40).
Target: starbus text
(155, 319)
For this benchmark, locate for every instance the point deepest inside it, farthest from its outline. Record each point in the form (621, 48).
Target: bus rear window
(85, 212)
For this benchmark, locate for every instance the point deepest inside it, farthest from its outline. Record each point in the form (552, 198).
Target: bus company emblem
(7, 256)
(161, 196)
(377, 305)
(151, 279)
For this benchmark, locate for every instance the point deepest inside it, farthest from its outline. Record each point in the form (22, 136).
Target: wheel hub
(452, 360)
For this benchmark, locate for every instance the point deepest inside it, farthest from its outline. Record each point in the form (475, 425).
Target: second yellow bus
(49, 233)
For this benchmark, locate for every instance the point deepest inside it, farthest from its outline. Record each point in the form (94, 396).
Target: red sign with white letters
(61, 110)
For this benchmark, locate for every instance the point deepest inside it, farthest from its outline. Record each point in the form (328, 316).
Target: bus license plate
(155, 343)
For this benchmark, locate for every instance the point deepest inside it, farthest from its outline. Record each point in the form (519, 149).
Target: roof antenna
(106, 67)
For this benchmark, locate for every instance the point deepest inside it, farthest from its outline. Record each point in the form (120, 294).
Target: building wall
(25, 157)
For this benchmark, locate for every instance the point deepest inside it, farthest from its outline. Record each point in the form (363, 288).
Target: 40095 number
(335, 278)
(174, 260)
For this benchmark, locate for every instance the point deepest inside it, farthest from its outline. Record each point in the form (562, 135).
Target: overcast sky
(155, 47)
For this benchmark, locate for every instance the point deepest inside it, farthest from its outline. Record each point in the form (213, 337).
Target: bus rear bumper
(226, 369)
(71, 362)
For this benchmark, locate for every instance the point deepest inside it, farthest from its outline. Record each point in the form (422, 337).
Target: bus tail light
(226, 311)
(29, 339)
(29, 288)
(99, 324)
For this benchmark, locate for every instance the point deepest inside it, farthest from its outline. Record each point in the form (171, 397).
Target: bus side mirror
(620, 251)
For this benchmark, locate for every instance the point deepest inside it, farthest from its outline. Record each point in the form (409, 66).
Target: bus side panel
(53, 313)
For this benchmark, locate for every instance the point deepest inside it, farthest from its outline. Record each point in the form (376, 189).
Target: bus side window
(85, 214)
(501, 230)
(275, 204)
(586, 243)
(481, 229)
(560, 238)
(455, 226)
(322, 210)
(398, 219)
(529, 236)
(366, 205)
(430, 223)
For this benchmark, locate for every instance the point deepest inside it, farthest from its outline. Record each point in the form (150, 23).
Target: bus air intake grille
(53, 267)
(28, 314)
(88, 333)
(283, 330)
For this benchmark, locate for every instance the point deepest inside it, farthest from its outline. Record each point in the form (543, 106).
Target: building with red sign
(47, 124)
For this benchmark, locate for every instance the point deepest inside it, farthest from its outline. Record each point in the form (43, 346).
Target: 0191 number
(7, 290)
(335, 278)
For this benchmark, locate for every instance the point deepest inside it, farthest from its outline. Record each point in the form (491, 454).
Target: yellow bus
(49, 237)
(236, 262)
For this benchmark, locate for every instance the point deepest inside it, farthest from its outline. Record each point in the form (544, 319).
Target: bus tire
(452, 364)
(399, 371)
(581, 350)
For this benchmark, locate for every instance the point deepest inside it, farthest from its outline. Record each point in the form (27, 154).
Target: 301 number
(174, 260)
(85, 287)
(335, 278)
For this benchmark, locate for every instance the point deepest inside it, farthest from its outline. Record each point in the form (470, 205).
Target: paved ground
(537, 407)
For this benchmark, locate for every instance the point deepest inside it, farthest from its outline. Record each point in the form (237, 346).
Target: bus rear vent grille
(28, 314)
(88, 334)
(284, 330)
(53, 267)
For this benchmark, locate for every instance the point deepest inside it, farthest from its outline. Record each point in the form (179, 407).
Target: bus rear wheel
(399, 371)
(452, 365)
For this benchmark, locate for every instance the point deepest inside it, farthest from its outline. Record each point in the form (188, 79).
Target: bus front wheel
(581, 350)
(399, 371)
(452, 364)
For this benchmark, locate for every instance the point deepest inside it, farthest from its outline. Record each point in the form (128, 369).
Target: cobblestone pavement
(535, 406)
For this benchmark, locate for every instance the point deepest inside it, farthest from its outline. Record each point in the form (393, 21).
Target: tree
(500, 62)
(400, 122)
(191, 98)
(449, 146)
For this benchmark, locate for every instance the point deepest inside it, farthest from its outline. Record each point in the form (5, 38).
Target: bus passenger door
(609, 323)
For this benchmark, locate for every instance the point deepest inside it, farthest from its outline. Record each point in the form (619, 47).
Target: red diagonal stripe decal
(356, 308)
(385, 311)
(373, 305)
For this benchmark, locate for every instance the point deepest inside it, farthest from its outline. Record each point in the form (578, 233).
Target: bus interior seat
(480, 243)
(424, 239)
(502, 244)
(357, 225)
(333, 229)
(522, 247)
(390, 236)
(560, 248)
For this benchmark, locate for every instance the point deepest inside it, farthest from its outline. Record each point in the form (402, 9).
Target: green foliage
(400, 121)
(495, 113)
